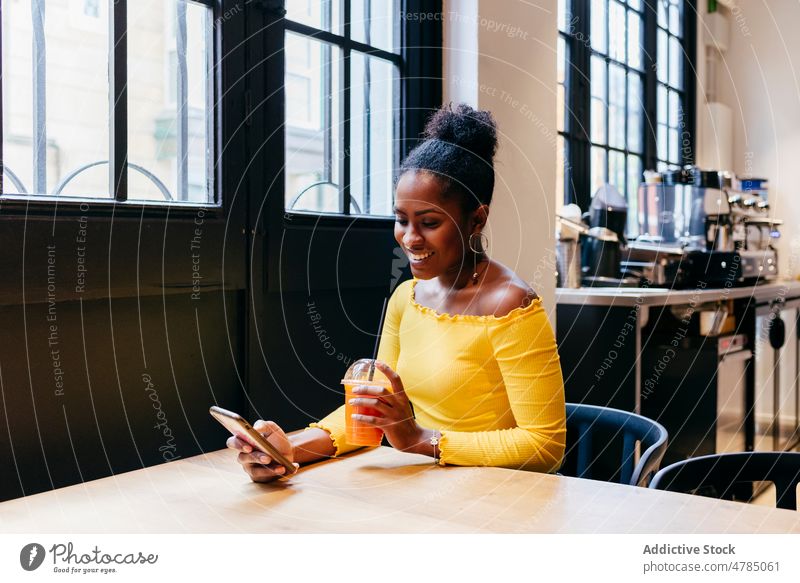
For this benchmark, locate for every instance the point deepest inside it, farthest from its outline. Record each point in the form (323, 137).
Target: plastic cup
(358, 432)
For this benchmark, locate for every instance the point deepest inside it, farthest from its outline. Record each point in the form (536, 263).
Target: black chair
(595, 434)
(716, 475)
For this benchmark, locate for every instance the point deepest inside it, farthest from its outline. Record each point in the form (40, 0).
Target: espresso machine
(718, 263)
(603, 245)
(754, 229)
(695, 227)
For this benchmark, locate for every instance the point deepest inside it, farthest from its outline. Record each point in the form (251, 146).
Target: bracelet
(434, 442)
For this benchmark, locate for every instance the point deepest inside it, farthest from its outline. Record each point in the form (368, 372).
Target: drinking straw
(377, 340)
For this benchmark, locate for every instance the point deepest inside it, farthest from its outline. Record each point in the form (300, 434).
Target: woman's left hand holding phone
(259, 465)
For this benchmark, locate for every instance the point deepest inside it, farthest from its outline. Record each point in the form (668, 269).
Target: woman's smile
(419, 257)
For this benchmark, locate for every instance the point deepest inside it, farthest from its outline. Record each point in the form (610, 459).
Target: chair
(593, 435)
(716, 475)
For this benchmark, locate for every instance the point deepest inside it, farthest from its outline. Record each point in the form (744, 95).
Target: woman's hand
(396, 417)
(258, 465)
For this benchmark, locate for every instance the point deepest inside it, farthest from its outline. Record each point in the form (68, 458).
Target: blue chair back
(593, 433)
(716, 475)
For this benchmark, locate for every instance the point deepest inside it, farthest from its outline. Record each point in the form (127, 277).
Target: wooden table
(378, 490)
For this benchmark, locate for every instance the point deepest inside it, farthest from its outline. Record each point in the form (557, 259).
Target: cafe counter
(717, 367)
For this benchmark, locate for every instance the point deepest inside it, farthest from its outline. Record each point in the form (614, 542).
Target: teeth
(416, 257)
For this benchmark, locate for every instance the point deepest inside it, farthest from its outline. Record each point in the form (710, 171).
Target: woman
(466, 341)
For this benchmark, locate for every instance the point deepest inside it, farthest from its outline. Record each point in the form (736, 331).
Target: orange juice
(358, 432)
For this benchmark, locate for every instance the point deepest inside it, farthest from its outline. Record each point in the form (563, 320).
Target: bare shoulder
(508, 293)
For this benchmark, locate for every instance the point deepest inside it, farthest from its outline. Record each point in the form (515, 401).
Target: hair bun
(472, 129)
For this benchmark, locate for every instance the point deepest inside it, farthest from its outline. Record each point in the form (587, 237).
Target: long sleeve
(388, 351)
(525, 351)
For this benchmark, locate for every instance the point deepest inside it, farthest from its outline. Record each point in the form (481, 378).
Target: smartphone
(240, 428)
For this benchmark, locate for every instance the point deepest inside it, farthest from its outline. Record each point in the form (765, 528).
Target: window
(624, 95)
(91, 8)
(343, 112)
(61, 135)
(671, 94)
(616, 79)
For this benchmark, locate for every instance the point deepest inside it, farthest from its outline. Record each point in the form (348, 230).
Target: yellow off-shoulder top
(491, 385)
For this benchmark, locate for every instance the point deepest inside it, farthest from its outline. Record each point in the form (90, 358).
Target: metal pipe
(344, 108)
(182, 162)
(327, 88)
(39, 99)
(367, 179)
(7, 173)
(146, 173)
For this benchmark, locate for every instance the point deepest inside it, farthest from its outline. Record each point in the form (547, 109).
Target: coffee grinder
(603, 244)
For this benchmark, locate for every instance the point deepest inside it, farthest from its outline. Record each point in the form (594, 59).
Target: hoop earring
(484, 241)
(476, 252)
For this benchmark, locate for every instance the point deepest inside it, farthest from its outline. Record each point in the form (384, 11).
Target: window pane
(616, 87)
(616, 126)
(598, 170)
(55, 121)
(598, 80)
(616, 106)
(675, 61)
(674, 147)
(635, 109)
(560, 108)
(322, 14)
(598, 121)
(562, 15)
(635, 4)
(617, 37)
(616, 170)
(662, 142)
(662, 13)
(674, 109)
(169, 113)
(561, 60)
(675, 19)
(634, 40)
(376, 23)
(634, 179)
(662, 104)
(598, 27)
(313, 157)
(598, 113)
(374, 95)
(662, 57)
(560, 169)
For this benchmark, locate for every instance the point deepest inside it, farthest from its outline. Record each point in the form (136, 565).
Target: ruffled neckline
(490, 318)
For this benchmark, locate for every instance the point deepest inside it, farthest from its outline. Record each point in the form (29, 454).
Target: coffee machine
(754, 229)
(603, 245)
(695, 227)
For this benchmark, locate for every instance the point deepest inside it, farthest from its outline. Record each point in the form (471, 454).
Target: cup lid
(359, 373)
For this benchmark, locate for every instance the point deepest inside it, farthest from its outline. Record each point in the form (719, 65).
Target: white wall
(513, 43)
(460, 66)
(760, 81)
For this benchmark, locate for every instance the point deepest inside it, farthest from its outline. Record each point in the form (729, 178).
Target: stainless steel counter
(640, 296)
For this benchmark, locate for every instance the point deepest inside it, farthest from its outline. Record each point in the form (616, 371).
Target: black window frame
(577, 131)
(117, 202)
(686, 155)
(419, 61)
